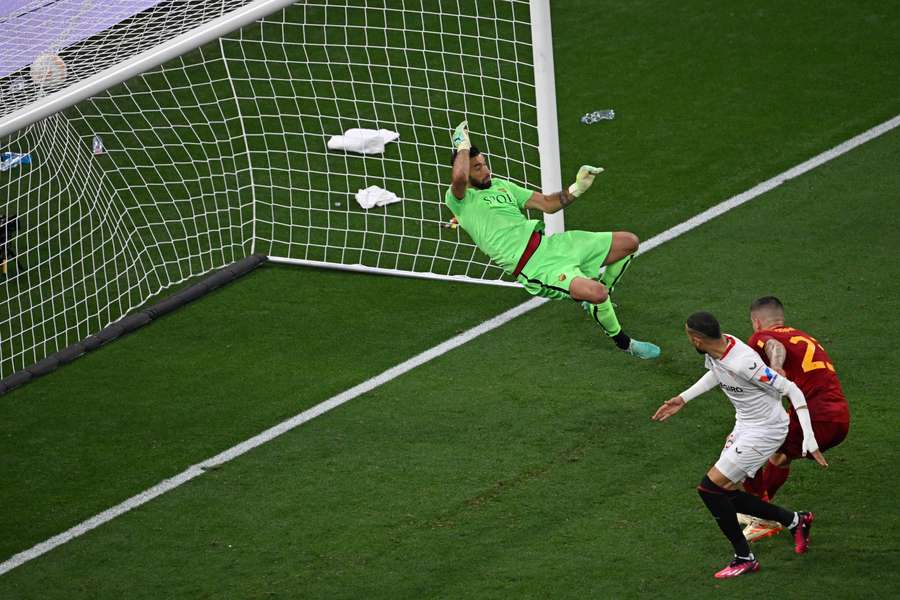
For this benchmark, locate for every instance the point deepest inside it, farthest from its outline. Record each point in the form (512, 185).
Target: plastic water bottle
(598, 115)
(97, 145)
(8, 160)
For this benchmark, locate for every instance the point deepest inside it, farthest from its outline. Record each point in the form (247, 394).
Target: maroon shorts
(828, 435)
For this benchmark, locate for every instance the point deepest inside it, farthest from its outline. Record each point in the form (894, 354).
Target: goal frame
(544, 80)
(55, 102)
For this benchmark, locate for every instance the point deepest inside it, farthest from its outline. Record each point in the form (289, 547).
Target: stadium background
(524, 463)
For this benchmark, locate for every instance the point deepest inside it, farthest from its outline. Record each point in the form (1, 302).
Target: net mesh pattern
(223, 152)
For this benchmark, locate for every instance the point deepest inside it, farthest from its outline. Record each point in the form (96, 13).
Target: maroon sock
(775, 477)
(758, 484)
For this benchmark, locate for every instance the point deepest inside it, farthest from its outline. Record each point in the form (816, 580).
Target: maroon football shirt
(808, 365)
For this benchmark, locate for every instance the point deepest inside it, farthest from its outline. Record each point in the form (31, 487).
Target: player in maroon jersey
(800, 358)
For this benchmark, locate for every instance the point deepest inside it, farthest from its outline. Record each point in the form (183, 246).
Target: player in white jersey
(761, 426)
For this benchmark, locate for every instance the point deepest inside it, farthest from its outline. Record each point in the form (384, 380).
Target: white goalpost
(146, 142)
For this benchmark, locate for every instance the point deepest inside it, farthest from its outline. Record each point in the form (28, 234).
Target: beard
(481, 185)
(699, 351)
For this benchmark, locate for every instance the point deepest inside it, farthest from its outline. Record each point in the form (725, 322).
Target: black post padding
(42, 367)
(219, 279)
(91, 343)
(15, 380)
(132, 322)
(177, 300)
(70, 353)
(163, 307)
(109, 333)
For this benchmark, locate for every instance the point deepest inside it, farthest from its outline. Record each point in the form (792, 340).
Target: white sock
(795, 521)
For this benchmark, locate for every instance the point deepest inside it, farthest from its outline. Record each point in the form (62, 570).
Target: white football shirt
(753, 388)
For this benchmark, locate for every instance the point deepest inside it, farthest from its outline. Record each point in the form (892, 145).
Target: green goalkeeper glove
(584, 179)
(461, 137)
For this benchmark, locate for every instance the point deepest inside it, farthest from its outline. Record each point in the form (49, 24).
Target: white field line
(769, 184)
(394, 372)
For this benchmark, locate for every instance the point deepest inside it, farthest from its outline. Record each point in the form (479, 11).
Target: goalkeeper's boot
(801, 531)
(738, 567)
(644, 350)
(758, 529)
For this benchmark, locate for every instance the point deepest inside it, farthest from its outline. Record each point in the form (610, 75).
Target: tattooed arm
(776, 353)
(566, 196)
(552, 203)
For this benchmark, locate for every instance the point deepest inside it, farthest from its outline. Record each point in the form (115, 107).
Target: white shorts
(746, 450)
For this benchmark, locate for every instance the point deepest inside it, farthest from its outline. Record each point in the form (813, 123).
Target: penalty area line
(420, 359)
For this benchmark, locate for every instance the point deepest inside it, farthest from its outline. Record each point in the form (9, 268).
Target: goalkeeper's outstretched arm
(555, 202)
(550, 203)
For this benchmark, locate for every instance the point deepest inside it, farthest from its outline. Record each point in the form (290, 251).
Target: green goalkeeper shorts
(561, 258)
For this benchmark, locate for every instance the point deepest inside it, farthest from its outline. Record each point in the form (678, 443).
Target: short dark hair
(767, 302)
(705, 324)
(473, 152)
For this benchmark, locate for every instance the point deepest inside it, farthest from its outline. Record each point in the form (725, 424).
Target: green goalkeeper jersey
(495, 221)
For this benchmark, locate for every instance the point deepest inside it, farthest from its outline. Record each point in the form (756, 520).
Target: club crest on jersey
(768, 376)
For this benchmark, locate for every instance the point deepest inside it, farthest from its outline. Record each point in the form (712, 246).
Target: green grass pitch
(523, 464)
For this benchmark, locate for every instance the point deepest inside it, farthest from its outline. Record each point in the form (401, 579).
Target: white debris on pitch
(374, 196)
(363, 141)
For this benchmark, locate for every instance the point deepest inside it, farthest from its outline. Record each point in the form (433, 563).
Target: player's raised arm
(461, 146)
(555, 202)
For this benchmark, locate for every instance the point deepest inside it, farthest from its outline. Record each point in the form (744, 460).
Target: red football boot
(738, 567)
(801, 531)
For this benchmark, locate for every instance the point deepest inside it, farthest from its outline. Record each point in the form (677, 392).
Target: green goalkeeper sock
(613, 272)
(605, 316)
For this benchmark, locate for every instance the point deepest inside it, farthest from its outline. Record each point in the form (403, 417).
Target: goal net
(155, 176)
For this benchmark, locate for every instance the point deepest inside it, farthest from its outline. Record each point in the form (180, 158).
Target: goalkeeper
(566, 265)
